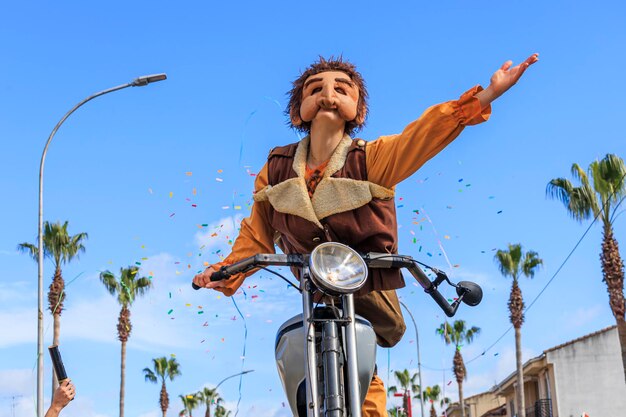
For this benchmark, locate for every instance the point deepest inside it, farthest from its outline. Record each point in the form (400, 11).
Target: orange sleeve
(391, 159)
(255, 236)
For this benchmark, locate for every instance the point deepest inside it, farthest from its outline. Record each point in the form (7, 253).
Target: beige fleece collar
(332, 195)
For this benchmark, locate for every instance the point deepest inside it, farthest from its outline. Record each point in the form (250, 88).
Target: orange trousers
(375, 404)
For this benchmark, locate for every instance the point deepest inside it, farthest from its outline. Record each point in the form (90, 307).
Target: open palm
(505, 77)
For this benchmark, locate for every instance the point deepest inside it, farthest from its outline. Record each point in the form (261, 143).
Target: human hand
(504, 78)
(64, 393)
(203, 279)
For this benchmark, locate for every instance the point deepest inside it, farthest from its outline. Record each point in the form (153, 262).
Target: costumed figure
(331, 187)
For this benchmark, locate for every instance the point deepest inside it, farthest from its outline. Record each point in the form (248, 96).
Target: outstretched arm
(503, 79)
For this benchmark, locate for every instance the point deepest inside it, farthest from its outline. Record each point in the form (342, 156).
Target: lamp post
(419, 361)
(232, 376)
(138, 82)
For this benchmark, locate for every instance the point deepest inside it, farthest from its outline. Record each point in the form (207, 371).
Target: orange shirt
(389, 160)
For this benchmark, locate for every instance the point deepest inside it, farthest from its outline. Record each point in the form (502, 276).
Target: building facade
(582, 377)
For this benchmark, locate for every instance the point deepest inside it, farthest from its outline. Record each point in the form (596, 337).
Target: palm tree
(458, 334)
(515, 263)
(59, 246)
(221, 412)
(190, 402)
(432, 394)
(407, 384)
(209, 396)
(165, 369)
(126, 288)
(600, 200)
(395, 412)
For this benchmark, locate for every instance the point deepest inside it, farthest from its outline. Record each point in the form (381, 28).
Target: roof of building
(571, 342)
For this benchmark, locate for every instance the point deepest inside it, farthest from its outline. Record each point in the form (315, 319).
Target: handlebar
(468, 292)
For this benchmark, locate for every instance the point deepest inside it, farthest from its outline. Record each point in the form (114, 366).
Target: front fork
(334, 401)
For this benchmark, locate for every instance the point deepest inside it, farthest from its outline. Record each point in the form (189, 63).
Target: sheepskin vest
(345, 207)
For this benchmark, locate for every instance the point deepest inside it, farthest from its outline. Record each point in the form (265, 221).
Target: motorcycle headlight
(337, 268)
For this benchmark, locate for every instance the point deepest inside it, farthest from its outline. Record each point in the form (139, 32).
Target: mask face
(329, 97)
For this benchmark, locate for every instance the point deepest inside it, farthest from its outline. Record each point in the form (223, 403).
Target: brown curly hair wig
(323, 65)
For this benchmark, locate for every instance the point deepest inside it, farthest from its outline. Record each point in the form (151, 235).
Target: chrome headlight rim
(317, 275)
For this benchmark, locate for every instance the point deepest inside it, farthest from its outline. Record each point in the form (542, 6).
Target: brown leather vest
(369, 228)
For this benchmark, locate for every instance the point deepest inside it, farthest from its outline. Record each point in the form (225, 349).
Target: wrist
(487, 96)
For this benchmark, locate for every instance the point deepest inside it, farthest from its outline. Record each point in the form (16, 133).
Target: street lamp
(137, 82)
(419, 361)
(232, 376)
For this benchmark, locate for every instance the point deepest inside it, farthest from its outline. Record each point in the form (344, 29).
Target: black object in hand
(57, 362)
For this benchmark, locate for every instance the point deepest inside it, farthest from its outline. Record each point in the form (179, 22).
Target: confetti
(188, 174)
(500, 212)
(150, 190)
(219, 179)
(172, 215)
(449, 382)
(200, 312)
(170, 312)
(193, 191)
(193, 205)
(171, 194)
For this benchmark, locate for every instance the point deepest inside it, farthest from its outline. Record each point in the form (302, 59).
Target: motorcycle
(326, 356)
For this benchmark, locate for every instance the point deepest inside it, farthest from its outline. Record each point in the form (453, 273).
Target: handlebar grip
(442, 302)
(219, 275)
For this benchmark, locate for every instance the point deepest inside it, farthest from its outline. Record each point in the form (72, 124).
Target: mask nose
(327, 99)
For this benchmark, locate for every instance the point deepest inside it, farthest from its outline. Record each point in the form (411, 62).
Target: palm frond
(531, 263)
(579, 174)
(173, 369)
(471, 333)
(560, 189)
(444, 330)
(149, 375)
(29, 249)
(110, 282)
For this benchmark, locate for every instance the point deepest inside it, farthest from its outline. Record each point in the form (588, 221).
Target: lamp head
(147, 79)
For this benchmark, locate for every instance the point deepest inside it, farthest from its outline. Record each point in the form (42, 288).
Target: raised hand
(504, 78)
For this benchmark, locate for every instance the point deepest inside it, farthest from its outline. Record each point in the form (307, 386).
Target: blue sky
(125, 166)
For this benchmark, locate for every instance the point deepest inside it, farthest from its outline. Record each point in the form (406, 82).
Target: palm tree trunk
(613, 271)
(122, 378)
(461, 400)
(519, 393)
(56, 295)
(460, 373)
(164, 399)
(208, 410)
